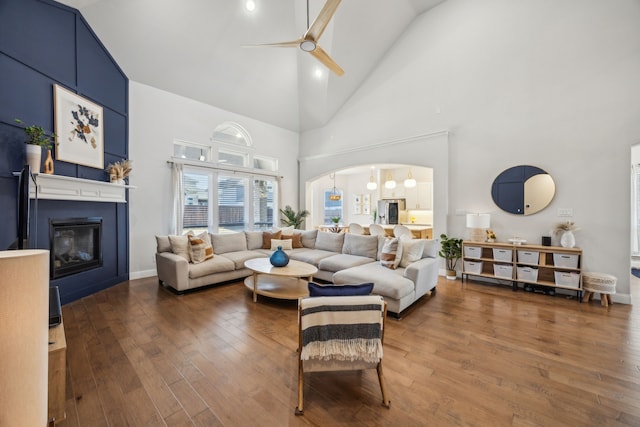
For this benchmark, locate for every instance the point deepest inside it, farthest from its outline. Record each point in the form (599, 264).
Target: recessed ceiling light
(250, 5)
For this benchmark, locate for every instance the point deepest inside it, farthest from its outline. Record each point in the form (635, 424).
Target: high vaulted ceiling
(194, 48)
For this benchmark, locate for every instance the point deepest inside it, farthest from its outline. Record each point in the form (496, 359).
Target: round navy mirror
(523, 190)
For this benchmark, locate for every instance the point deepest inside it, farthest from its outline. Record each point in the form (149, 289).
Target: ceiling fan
(309, 41)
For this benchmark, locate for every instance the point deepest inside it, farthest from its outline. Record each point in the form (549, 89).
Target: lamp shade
(24, 332)
(478, 220)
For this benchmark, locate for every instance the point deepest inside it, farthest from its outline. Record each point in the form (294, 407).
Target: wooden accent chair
(340, 333)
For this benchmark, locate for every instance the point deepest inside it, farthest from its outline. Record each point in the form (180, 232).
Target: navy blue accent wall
(43, 43)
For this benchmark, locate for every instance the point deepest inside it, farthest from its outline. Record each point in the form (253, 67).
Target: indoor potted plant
(451, 251)
(292, 217)
(37, 138)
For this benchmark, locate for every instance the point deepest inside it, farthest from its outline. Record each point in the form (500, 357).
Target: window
(265, 163)
(233, 158)
(332, 208)
(244, 202)
(191, 151)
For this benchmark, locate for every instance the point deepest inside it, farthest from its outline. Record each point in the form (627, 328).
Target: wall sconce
(390, 184)
(410, 182)
(478, 223)
(335, 196)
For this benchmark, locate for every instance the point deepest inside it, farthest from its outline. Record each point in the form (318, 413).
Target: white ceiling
(193, 48)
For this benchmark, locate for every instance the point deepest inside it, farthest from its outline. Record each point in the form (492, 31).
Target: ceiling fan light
(308, 45)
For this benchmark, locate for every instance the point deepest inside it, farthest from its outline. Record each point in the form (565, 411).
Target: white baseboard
(142, 274)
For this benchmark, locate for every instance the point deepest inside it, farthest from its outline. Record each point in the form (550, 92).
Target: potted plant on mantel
(37, 138)
(451, 251)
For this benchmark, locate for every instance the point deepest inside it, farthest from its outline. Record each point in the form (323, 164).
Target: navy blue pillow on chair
(316, 290)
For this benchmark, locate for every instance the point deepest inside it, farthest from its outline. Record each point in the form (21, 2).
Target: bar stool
(604, 284)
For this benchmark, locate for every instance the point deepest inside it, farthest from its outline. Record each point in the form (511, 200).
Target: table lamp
(478, 223)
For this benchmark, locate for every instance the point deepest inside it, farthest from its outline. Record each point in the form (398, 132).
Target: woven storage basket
(599, 282)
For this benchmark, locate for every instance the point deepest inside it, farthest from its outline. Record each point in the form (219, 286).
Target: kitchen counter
(419, 231)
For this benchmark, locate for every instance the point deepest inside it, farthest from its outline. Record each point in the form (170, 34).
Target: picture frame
(79, 125)
(366, 204)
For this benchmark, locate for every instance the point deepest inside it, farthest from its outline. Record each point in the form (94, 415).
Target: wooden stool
(604, 284)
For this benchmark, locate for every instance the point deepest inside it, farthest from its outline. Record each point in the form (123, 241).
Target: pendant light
(372, 184)
(390, 184)
(335, 196)
(410, 182)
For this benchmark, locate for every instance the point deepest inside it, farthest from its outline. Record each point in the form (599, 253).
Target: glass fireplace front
(75, 245)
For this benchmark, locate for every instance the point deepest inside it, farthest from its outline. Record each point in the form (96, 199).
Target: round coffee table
(279, 282)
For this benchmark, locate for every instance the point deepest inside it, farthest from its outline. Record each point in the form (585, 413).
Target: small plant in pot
(37, 138)
(292, 217)
(451, 251)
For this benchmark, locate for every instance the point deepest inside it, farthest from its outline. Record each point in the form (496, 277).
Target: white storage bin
(473, 267)
(565, 260)
(529, 257)
(473, 252)
(566, 278)
(503, 271)
(527, 273)
(502, 255)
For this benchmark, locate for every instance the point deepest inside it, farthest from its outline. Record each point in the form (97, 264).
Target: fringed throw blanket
(342, 328)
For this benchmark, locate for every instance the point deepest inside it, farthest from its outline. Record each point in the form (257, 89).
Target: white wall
(549, 83)
(156, 119)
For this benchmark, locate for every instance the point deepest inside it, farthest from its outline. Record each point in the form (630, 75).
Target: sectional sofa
(341, 258)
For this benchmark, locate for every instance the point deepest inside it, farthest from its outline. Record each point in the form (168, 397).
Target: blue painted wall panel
(39, 48)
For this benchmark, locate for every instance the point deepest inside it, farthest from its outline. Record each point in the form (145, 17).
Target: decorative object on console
(80, 124)
(546, 240)
(292, 218)
(48, 164)
(491, 236)
(279, 258)
(565, 230)
(37, 138)
(451, 251)
(119, 170)
(478, 223)
(517, 240)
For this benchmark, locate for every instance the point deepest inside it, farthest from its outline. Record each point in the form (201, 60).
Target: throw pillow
(284, 230)
(163, 244)
(327, 241)
(391, 253)
(296, 240)
(180, 246)
(254, 239)
(285, 243)
(266, 238)
(316, 290)
(200, 248)
(411, 251)
(228, 242)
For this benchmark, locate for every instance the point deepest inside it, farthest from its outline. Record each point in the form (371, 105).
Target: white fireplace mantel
(59, 187)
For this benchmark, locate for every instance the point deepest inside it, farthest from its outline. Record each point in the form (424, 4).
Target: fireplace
(75, 245)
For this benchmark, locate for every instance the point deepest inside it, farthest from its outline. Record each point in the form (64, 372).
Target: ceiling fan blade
(322, 20)
(324, 57)
(293, 43)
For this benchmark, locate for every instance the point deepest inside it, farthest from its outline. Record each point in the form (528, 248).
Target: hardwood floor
(473, 354)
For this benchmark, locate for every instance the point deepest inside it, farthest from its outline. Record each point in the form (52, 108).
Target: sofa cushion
(342, 261)
(391, 253)
(386, 282)
(240, 257)
(411, 251)
(180, 246)
(268, 236)
(296, 240)
(327, 241)
(317, 290)
(254, 239)
(430, 248)
(356, 244)
(163, 244)
(308, 237)
(285, 244)
(284, 230)
(229, 242)
(200, 248)
(310, 256)
(218, 264)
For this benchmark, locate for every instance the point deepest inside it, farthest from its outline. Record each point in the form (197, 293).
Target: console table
(57, 374)
(536, 265)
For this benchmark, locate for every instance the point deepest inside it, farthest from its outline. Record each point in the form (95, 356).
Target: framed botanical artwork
(357, 204)
(79, 124)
